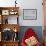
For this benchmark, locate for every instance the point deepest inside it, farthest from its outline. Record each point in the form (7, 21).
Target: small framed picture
(5, 12)
(29, 14)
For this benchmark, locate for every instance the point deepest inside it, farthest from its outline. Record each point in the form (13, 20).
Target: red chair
(29, 33)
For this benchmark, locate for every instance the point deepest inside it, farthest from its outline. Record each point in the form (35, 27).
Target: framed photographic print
(29, 14)
(5, 12)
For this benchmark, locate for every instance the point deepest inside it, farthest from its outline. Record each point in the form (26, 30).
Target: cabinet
(9, 26)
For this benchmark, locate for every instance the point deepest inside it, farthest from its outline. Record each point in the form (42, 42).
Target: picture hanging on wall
(30, 14)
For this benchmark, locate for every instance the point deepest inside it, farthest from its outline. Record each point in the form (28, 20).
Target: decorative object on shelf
(15, 37)
(7, 34)
(15, 3)
(29, 14)
(15, 34)
(15, 30)
(13, 12)
(6, 21)
(5, 12)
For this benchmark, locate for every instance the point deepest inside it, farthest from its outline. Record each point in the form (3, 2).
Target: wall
(32, 4)
(37, 29)
(27, 4)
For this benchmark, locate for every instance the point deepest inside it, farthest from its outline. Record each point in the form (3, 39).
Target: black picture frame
(32, 14)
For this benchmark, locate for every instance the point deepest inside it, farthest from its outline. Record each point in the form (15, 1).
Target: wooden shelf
(9, 8)
(9, 43)
(11, 26)
(4, 13)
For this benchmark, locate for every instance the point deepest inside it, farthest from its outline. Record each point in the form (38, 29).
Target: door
(44, 8)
